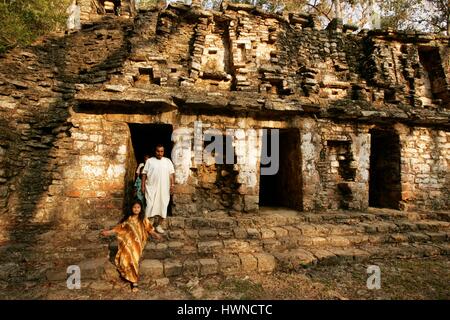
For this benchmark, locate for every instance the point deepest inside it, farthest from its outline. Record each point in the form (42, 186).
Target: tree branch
(318, 10)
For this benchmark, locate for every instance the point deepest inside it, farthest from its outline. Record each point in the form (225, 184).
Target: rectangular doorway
(145, 138)
(284, 187)
(385, 179)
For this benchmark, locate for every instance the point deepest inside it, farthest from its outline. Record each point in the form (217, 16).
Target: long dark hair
(129, 212)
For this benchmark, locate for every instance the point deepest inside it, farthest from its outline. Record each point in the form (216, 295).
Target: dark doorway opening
(284, 188)
(145, 138)
(385, 177)
(434, 76)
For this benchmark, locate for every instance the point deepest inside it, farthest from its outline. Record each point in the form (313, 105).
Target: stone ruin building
(363, 122)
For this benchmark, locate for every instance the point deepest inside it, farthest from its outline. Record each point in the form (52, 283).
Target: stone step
(307, 229)
(269, 217)
(392, 214)
(224, 223)
(205, 248)
(293, 259)
(284, 238)
(227, 244)
(245, 262)
(442, 216)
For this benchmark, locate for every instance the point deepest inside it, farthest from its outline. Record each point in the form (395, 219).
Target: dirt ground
(426, 278)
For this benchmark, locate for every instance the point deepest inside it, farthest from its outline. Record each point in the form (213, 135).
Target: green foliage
(423, 15)
(439, 18)
(22, 21)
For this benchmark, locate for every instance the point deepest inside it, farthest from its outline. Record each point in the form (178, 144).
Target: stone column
(360, 149)
(248, 150)
(310, 149)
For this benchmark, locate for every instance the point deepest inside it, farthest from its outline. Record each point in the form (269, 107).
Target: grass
(23, 21)
(243, 289)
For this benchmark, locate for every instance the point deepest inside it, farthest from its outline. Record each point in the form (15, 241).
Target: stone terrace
(277, 239)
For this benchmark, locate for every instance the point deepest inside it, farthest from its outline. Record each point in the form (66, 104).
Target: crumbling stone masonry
(93, 9)
(363, 118)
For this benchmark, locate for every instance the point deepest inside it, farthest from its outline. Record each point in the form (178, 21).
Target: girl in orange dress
(132, 235)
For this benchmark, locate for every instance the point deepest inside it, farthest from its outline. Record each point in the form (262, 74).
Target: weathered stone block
(161, 246)
(52, 275)
(161, 282)
(251, 203)
(418, 237)
(318, 241)
(110, 272)
(307, 230)
(253, 233)
(292, 231)
(176, 234)
(175, 246)
(236, 245)
(267, 233)
(176, 222)
(437, 236)
(152, 269)
(101, 286)
(209, 246)
(92, 268)
(338, 241)
(172, 268)
(229, 264)
(226, 234)
(207, 233)
(398, 237)
(266, 262)
(208, 266)
(192, 234)
(191, 268)
(248, 262)
(240, 233)
(279, 232)
(295, 259)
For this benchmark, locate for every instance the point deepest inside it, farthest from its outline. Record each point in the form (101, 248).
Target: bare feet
(134, 287)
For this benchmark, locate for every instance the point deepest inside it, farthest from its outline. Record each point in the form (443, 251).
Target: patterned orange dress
(132, 236)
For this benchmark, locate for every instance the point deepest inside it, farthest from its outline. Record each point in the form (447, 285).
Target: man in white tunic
(158, 179)
(73, 21)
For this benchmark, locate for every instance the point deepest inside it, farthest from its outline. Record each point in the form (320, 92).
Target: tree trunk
(337, 9)
(374, 16)
(448, 19)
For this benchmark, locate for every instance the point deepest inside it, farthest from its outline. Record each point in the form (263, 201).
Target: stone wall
(425, 167)
(335, 165)
(37, 150)
(286, 59)
(66, 103)
(334, 161)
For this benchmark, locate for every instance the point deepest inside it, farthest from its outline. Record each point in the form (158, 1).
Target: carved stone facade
(363, 118)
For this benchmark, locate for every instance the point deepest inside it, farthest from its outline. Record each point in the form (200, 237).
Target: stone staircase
(274, 239)
(280, 239)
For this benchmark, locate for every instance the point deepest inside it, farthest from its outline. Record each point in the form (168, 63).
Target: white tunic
(73, 21)
(157, 186)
